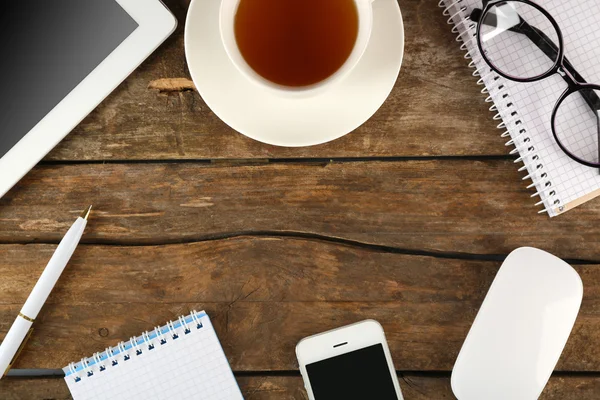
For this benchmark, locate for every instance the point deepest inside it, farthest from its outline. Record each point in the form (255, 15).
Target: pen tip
(86, 213)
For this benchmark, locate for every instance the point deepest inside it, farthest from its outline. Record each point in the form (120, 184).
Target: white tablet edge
(156, 23)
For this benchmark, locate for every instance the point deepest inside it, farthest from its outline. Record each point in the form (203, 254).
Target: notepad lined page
(165, 363)
(566, 183)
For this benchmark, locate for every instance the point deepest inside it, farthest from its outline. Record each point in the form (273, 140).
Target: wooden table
(406, 220)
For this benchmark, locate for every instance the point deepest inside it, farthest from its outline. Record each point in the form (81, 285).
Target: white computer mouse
(520, 329)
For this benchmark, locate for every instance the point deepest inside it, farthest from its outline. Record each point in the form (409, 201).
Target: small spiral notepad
(182, 359)
(524, 109)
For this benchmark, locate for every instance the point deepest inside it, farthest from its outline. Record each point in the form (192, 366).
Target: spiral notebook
(524, 109)
(180, 360)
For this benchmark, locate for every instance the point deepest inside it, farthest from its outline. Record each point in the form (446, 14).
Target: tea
(296, 42)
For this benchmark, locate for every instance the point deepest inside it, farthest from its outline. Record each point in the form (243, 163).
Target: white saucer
(283, 121)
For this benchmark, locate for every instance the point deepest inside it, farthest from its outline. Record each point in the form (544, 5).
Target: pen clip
(19, 351)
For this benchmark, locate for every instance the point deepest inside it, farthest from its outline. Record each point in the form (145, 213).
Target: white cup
(226, 26)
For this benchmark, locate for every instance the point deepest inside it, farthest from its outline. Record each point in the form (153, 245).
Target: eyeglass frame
(561, 66)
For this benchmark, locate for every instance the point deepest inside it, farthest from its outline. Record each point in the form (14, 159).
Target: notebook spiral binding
(521, 141)
(134, 347)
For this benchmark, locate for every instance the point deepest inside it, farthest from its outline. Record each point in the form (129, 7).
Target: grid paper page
(570, 182)
(191, 366)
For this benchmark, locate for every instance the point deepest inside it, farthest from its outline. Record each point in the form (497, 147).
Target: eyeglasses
(522, 42)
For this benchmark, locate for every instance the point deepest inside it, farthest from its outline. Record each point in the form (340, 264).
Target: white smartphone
(351, 362)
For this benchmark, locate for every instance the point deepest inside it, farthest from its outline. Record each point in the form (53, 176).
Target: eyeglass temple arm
(589, 95)
(550, 49)
(597, 114)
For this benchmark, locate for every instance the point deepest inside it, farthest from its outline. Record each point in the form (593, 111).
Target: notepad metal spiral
(135, 346)
(455, 11)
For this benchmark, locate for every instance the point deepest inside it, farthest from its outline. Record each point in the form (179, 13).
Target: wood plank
(414, 387)
(479, 207)
(264, 295)
(434, 109)
(26, 389)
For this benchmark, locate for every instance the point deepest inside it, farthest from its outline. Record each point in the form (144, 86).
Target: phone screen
(360, 374)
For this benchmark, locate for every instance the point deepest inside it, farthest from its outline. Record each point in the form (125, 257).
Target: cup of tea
(295, 46)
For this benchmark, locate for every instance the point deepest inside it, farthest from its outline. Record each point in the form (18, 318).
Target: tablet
(60, 59)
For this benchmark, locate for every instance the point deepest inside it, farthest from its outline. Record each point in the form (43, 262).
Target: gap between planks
(303, 236)
(58, 373)
(305, 160)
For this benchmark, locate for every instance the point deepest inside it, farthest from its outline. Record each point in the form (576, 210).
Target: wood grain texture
(442, 206)
(140, 121)
(414, 387)
(264, 295)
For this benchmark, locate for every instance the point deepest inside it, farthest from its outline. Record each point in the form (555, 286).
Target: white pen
(20, 329)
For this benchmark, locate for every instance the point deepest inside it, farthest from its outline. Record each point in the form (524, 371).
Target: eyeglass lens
(577, 124)
(519, 40)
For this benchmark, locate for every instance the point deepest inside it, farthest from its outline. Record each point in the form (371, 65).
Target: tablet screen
(47, 49)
